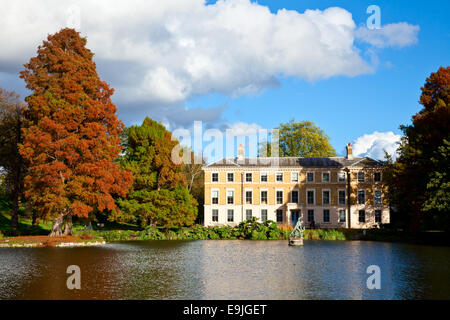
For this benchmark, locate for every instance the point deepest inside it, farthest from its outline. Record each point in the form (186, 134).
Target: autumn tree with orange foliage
(73, 137)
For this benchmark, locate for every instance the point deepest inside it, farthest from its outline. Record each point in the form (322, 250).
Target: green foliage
(159, 195)
(301, 139)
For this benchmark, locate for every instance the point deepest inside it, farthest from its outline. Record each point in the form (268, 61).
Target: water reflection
(227, 270)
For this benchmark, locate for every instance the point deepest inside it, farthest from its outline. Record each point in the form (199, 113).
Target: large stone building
(329, 192)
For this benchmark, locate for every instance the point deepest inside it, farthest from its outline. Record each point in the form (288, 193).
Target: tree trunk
(35, 221)
(68, 226)
(15, 212)
(57, 226)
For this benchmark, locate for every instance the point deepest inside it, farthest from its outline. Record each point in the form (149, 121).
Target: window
(325, 177)
(279, 215)
(248, 177)
(230, 176)
(230, 215)
(248, 197)
(361, 176)
(310, 196)
(294, 196)
(341, 196)
(377, 198)
(279, 176)
(361, 197)
(310, 215)
(362, 216)
(214, 177)
(215, 196)
(263, 177)
(326, 215)
(264, 196)
(248, 214)
(230, 197)
(279, 197)
(377, 176)
(325, 197)
(263, 215)
(215, 215)
(294, 176)
(341, 176)
(341, 215)
(378, 216)
(310, 176)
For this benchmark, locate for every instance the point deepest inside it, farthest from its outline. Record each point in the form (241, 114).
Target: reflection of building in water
(329, 192)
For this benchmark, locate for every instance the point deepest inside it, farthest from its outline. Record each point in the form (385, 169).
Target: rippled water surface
(227, 270)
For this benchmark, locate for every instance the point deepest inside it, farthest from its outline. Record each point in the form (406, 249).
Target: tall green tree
(419, 150)
(301, 139)
(159, 195)
(12, 121)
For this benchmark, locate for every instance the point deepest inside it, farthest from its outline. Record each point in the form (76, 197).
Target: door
(294, 217)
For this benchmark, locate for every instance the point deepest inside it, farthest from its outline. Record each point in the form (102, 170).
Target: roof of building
(322, 162)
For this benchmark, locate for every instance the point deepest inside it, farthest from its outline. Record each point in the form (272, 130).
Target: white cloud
(398, 35)
(180, 49)
(373, 145)
(239, 129)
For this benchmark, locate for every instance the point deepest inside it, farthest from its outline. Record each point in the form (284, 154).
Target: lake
(227, 269)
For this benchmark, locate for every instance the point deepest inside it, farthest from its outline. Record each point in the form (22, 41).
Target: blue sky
(241, 65)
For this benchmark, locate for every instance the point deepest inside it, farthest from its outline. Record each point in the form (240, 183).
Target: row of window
(310, 215)
(294, 177)
(294, 194)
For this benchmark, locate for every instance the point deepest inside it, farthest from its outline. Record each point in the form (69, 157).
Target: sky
(242, 65)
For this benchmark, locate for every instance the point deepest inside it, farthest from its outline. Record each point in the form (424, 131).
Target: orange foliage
(73, 139)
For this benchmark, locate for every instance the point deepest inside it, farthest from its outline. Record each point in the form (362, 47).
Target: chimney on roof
(241, 152)
(349, 151)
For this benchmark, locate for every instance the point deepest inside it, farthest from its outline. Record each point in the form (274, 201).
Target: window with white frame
(294, 176)
(248, 177)
(230, 176)
(230, 196)
(279, 196)
(248, 196)
(310, 177)
(361, 176)
(279, 216)
(214, 196)
(263, 215)
(310, 196)
(341, 197)
(342, 215)
(248, 214)
(325, 177)
(377, 198)
(215, 177)
(264, 196)
(361, 197)
(279, 177)
(263, 177)
(326, 215)
(294, 196)
(230, 217)
(215, 215)
(341, 176)
(362, 216)
(378, 216)
(377, 176)
(325, 196)
(310, 215)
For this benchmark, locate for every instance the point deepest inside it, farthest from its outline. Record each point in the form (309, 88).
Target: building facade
(329, 192)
